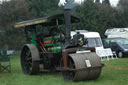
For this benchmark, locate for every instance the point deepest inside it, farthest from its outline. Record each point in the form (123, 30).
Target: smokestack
(67, 15)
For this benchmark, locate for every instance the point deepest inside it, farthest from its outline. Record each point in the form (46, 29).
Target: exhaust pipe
(67, 15)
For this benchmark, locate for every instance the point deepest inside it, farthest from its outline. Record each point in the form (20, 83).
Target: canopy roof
(57, 19)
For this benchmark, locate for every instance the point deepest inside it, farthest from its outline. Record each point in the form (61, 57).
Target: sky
(113, 2)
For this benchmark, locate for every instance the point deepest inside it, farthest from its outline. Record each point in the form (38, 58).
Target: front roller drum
(87, 66)
(30, 59)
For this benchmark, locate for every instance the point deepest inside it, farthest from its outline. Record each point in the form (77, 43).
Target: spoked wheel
(69, 75)
(30, 59)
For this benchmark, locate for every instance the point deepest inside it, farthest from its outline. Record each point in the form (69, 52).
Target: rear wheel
(30, 59)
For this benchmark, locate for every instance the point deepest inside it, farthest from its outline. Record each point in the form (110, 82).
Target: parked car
(119, 45)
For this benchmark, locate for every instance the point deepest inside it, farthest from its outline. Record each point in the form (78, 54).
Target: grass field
(109, 76)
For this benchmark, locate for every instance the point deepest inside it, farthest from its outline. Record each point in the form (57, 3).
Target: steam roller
(51, 47)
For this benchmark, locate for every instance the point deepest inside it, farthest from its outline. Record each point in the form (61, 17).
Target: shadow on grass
(48, 73)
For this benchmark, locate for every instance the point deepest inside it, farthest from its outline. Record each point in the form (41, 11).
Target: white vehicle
(93, 38)
(117, 33)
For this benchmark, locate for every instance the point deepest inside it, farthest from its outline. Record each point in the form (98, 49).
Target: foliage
(97, 1)
(41, 8)
(11, 12)
(97, 17)
(88, 18)
(123, 10)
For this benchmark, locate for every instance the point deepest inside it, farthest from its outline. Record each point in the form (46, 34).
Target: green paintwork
(34, 39)
(48, 45)
(58, 44)
(56, 37)
(48, 38)
(54, 49)
(53, 39)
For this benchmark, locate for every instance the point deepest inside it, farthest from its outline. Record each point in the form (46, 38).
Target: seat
(110, 53)
(5, 63)
(102, 54)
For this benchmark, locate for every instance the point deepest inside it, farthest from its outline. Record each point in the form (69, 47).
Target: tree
(97, 1)
(11, 12)
(107, 18)
(123, 10)
(88, 15)
(41, 8)
(97, 17)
